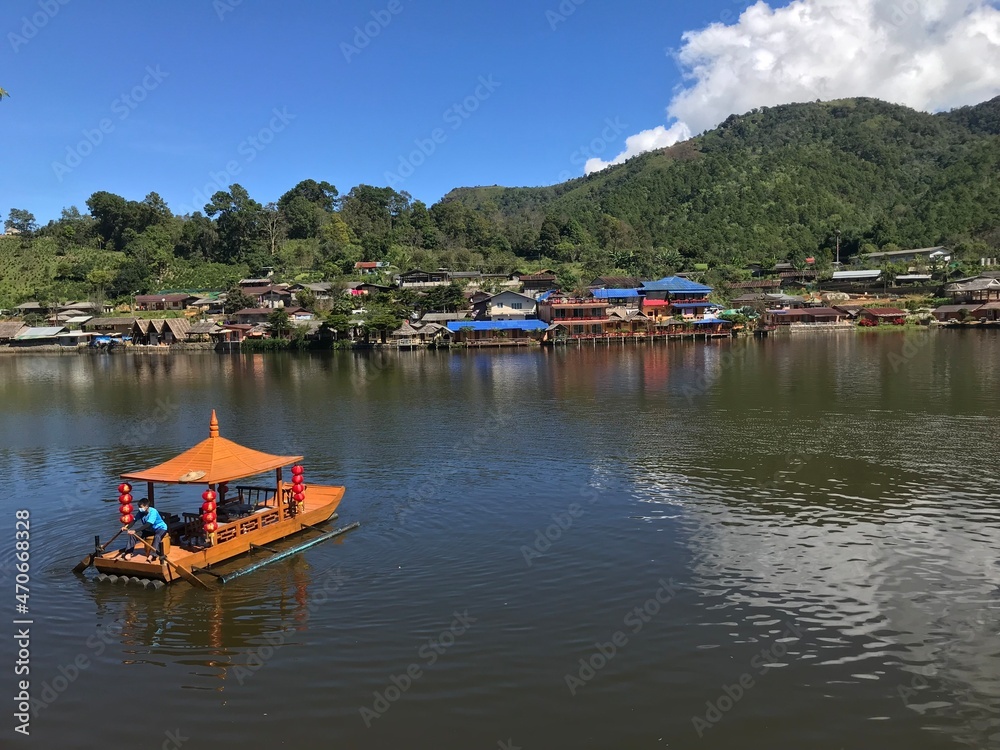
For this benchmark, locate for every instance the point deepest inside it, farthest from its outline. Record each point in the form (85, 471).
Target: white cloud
(927, 54)
(647, 140)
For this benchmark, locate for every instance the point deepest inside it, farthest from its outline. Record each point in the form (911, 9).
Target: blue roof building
(676, 284)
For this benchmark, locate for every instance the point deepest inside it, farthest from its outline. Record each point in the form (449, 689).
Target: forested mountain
(772, 184)
(778, 182)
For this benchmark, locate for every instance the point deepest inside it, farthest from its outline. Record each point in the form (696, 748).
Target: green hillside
(781, 180)
(770, 185)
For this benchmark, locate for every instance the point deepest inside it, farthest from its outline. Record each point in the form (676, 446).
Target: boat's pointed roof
(213, 460)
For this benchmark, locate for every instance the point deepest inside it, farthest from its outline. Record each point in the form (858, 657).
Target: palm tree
(3, 93)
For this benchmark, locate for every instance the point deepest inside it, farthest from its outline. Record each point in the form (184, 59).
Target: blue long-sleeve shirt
(152, 517)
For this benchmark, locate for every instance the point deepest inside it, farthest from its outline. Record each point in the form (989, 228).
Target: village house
(505, 305)
(443, 318)
(160, 331)
(297, 314)
(209, 305)
(253, 315)
(321, 290)
(408, 336)
(178, 301)
(201, 331)
(925, 255)
(769, 301)
(619, 297)
(73, 338)
(542, 281)
(676, 289)
(368, 267)
(417, 279)
(245, 284)
(33, 308)
(807, 315)
(496, 332)
(946, 313)
(627, 321)
(617, 282)
(9, 329)
(38, 336)
(582, 317)
(877, 315)
(981, 289)
(121, 326)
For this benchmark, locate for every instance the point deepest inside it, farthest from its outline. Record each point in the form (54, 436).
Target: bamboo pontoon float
(231, 521)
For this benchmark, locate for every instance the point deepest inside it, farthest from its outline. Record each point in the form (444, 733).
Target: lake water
(790, 542)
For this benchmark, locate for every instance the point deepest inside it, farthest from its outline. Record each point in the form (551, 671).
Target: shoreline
(210, 348)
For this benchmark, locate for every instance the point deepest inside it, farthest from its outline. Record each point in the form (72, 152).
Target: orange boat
(232, 520)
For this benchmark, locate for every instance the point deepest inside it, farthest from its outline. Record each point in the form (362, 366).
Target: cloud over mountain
(929, 55)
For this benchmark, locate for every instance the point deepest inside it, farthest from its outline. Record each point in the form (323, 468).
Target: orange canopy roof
(221, 460)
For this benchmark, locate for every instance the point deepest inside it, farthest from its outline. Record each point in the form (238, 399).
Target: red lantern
(208, 495)
(211, 527)
(126, 519)
(124, 498)
(125, 509)
(208, 506)
(208, 517)
(124, 487)
(299, 496)
(297, 470)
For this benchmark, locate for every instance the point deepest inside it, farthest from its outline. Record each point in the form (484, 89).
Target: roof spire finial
(213, 426)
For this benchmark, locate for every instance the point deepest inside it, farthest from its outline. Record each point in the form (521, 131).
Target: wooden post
(149, 494)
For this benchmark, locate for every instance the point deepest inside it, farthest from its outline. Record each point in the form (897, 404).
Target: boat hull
(257, 529)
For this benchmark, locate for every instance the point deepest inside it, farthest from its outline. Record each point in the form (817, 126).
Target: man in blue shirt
(148, 519)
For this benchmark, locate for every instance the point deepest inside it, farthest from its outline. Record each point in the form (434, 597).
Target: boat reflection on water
(213, 634)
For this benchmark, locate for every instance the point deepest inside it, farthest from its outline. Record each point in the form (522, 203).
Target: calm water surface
(785, 543)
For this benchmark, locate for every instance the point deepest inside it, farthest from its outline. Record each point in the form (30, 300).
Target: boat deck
(255, 524)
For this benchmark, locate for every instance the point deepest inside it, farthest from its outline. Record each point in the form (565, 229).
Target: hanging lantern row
(209, 518)
(125, 503)
(298, 486)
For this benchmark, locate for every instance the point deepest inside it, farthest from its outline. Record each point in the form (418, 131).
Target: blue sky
(228, 66)
(183, 97)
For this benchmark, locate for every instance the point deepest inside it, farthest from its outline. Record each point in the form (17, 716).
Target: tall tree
(274, 226)
(21, 222)
(236, 300)
(306, 208)
(240, 222)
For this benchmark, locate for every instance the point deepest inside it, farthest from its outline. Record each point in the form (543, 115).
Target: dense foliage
(771, 185)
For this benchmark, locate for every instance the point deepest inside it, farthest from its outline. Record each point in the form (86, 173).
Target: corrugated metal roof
(855, 275)
(497, 325)
(701, 303)
(914, 277)
(884, 311)
(43, 332)
(615, 293)
(676, 284)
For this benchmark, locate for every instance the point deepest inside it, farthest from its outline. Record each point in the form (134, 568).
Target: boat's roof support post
(149, 494)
